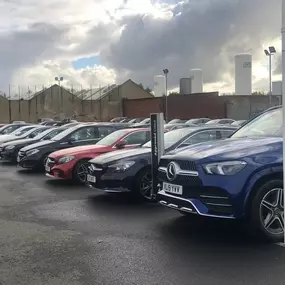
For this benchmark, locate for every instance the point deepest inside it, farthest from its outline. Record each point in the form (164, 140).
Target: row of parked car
(143, 122)
(216, 171)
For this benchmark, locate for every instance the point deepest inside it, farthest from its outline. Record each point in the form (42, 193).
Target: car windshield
(268, 124)
(172, 137)
(63, 134)
(145, 121)
(8, 129)
(112, 138)
(48, 135)
(22, 131)
(213, 122)
(192, 121)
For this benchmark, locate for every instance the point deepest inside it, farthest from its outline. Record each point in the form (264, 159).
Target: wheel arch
(257, 184)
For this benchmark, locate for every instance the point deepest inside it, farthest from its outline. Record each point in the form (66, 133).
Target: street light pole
(271, 50)
(59, 79)
(166, 71)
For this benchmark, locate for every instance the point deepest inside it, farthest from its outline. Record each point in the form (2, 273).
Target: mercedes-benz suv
(236, 178)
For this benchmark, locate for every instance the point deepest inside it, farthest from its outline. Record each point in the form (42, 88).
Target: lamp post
(166, 71)
(271, 51)
(60, 79)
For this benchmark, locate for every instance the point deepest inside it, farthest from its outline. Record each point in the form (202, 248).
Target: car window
(105, 131)
(225, 133)
(200, 137)
(137, 138)
(86, 133)
(9, 130)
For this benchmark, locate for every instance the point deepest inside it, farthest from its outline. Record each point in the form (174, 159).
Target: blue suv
(236, 178)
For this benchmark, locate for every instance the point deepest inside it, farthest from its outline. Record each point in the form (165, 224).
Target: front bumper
(28, 161)
(205, 195)
(59, 171)
(111, 182)
(8, 155)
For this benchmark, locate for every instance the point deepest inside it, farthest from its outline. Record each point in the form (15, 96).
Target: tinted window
(9, 130)
(86, 133)
(137, 138)
(225, 133)
(104, 131)
(172, 137)
(200, 137)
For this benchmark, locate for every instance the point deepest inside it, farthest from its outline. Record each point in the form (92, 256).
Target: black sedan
(130, 170)
(35, 155)
(9, 150)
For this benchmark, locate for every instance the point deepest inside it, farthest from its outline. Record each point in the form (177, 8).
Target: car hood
(80, 150)
(7, 137)
(120, 154)
(227, 149)
(19, 142)
(40, 144)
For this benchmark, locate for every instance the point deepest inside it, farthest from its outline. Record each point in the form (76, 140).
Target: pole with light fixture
(271, 51)
(60, 79)
(166, 71)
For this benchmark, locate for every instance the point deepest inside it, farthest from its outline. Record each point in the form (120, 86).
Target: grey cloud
(24, 48)
(205, 35)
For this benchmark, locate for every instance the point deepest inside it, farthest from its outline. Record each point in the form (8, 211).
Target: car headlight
(33, 151)
(224, 168)
(121, 166)
(10, 147)
(66, 159)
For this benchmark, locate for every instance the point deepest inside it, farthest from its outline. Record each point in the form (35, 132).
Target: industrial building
(58, 102)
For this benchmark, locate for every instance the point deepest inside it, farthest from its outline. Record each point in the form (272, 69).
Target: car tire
(143, 182)
(267, 210)
(77, 178)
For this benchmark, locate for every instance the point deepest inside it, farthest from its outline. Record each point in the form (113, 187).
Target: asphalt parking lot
(52, 232)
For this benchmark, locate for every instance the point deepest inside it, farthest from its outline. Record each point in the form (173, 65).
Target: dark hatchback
(130, 170)
(34, 156)
(9, 151)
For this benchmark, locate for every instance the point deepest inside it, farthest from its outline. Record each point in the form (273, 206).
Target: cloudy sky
(102, 42)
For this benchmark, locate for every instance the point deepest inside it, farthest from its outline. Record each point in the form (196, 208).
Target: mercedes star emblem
(171, 171)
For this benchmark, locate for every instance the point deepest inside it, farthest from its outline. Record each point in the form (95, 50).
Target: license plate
(47, 168)
(18, 159)
(171, 188)
(91, 178)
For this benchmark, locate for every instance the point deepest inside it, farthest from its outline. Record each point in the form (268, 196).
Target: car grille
(184, 180)
(184, 164)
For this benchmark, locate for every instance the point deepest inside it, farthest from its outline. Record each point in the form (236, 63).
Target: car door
(201, 136)
(137, 138)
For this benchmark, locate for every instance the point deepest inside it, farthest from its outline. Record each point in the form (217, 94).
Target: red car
(72, 163)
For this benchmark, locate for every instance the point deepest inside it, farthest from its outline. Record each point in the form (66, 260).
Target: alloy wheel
(82, 171)
(146, 186)
(272, 211)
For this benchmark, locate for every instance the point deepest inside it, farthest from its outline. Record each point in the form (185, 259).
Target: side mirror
(120, 144)
(32, 136)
